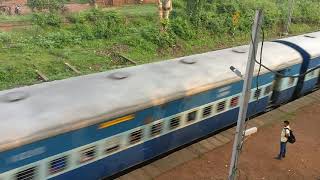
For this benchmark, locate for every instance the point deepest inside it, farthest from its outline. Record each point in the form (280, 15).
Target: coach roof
(42, 110)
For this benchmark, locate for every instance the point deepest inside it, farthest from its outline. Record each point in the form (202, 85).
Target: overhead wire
(293, 76)
(277, 73)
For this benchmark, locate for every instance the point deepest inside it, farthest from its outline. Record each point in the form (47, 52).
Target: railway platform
(209, 158)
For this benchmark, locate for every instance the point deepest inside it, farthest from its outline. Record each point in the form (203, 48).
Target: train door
(283, 88)
(271, 89)
(276, 88)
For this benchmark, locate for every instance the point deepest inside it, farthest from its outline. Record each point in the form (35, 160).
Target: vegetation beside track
(102, 39)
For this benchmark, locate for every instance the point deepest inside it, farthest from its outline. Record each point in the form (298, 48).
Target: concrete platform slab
(314, 96)
(127, 177)
(271, 116)
(174, 160)
(251, 124)
(317, 92)
(198, 149)
(204, 146)
(297, 104)
(289, 108)
(202, 169)
(258, 121)
(232, 130)
(140, 174)
(227, 134)
(222, 138)
(136, 174)
(151, 170)
(215, 141)
(205, 143)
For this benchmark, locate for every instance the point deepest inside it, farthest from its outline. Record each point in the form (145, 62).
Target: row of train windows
(57, 165)
(113, 145)
(292, 79)
(313, 74)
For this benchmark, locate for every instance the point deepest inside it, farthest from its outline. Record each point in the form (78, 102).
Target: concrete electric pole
(245, 96)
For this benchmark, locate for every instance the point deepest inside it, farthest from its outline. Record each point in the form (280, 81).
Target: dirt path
(257, 159)
(70, 7)
(77, 7)
(8, 26)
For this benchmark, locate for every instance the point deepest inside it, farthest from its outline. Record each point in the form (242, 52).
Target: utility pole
(290, 11)
(244, 100)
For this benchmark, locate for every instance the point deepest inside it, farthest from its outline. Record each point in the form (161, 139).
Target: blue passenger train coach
(95, 126)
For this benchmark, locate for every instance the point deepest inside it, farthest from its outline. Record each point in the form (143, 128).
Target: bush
(76, 18)
(161, 39)
(47, 19)
(109, 25)
(273, 12)
(194, 9)
(51, 5)
(187, 18)
(179, 4)
(84, 31)
(94, 15)
(182, 28)
(307, 11)
(57, 39)
(139, 42)
(215, 23)
(5, 38)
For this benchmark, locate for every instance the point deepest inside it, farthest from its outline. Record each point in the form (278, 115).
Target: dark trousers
(283, 149)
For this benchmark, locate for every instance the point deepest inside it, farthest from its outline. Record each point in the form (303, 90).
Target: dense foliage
(218, 17)
(88, 39)
(51, 5)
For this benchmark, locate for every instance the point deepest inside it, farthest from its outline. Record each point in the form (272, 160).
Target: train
(97, 125)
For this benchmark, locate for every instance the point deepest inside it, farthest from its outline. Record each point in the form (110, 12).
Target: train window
(291, 81)
(191, 116)
(174, 122)
(156, 129)
(27, 174)
(207, 111)
(58, 165)
(234, 102)
(267, 90)
(87, 154)
(135, 136)
(112, 145)
(257, 94)
(221, 106)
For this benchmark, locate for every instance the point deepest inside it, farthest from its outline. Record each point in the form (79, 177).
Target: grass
(21, 55)
(15, 19)
(128, 10)
(80, 1)
(135, 10)
(17, 66)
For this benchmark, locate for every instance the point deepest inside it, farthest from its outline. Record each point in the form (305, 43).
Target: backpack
(291, 138)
